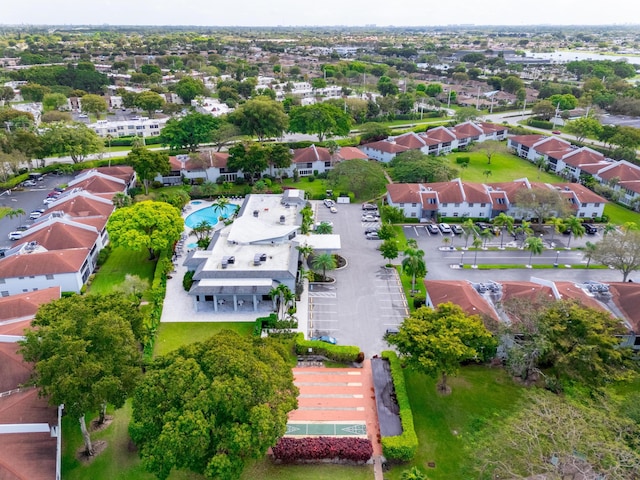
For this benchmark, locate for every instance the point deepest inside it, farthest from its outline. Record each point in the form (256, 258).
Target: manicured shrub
(337, 353)
(187, 281)
(463, 160)
(402, 447)
(418, 302)
(532, 122)
(291, 450)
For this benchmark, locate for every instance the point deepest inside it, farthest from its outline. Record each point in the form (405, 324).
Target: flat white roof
(235, 282)
(320, 242)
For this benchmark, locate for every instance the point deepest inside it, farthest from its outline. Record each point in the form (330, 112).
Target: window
(327, 164)
(2, 280)
(455, 214)
(482, 205)
(432, 201)
(444, 214)
(32, 276)
(501, 201)
(20, 278)
(457, 204)
(414, 204)
(471, 205)
(583, 205)
(4, 293)
(581, 214)
(49, 277)
(596, 204)
(413, 214)
(402, 205)
(444, 205)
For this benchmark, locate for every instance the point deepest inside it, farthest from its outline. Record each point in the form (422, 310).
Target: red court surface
(333, 396)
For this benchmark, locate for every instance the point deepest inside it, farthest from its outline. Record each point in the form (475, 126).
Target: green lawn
(504, 167)
(120, 263)
(173, 335)
(620, 215)
(443, 422)
(265, 470)
(315, 189)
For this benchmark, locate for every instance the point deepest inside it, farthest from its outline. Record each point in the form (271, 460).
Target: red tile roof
(527, 140)
(311, 154)
(220, 159)
(410, 140)
(462, 293)
(43, 263)
(570, 291)
(81, 206)
(404, 192)
(583, 156)
(24, 305)
(60, 236)
(386, 147)
(582, 193)
(441, 134)
(624, 171)
(123, 172)
(351, 153)
(626, 296)
(98, 184)
(466, 130)
(554, 147)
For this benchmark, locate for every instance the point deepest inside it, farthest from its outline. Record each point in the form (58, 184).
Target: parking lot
(367, 297)
(28, 199)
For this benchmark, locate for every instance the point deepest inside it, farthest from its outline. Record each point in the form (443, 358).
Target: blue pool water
(192, 245)
(208, 214)
(196, 202)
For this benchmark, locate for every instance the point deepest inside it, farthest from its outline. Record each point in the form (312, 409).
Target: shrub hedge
(337, 353)
(532, 122)
(158, 291)
(291, 450)
(402, 447)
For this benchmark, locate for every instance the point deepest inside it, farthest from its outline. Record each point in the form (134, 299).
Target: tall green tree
(260, 117)
(322, 119)
(85, 354)
(250, 158)
(53, 101)
(188, 88)
(504, 222)
(540, 203)
(189, 131)
(534, 246)
(148, 164)
(413, 264)
(364, 179)
(389, 249)
(207, 409)
(490, 148)
(437, 341)
(278, 156)
(149, 101)
(574, 226)
(584, 127)
(95, 104)
(76, 141)
(153, 226)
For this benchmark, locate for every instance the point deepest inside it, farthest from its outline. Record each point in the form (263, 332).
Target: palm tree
(526, 230)
(324, 228)
(15, 212)
(486, 234)
(574, 226)
(504, 222)
(535, 246)
(208, 189)
(108, 138)
(469, 230)
(477, 243)
(446, 241)
(283, 296)
(305, 250)
(608, 228)
(589, 251)
(220, 205)
(413, 264)
(557, 224)
(324, 262)
(202, 230)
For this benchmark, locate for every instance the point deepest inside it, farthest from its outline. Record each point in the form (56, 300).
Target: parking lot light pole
(555, 264)
(462, 260)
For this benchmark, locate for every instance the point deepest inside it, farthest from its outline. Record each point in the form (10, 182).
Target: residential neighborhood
(325, 251)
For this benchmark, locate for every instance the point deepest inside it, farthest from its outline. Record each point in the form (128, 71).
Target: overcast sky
(319, 12)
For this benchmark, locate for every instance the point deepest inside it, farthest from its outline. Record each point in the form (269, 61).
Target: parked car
(433, 229)
(369, 206)
(372, 236)
(326, 339)
(369, 218)
(49, 200)
(15, 235)
(35, 214)
(457, 229)
(590, 229)
(29, 183)
(371, 230)
(333, 210)
(22, 228)
(556, 132)
(329, 203)
(444, 227)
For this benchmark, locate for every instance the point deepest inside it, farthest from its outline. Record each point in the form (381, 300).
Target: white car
(369, 218)
(328, 203)
(333, 210)
(15, 235)
(35, 215)
(29, 183)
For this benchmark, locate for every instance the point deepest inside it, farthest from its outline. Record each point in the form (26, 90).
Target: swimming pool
(196, 202)
(209, 215)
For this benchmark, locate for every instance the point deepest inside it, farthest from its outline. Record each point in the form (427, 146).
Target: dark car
(590, 229)
(433, 229)
(371, 230)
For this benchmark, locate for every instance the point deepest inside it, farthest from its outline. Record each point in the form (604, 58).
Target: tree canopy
(189, 131)
(147, 164)
(210, 406)
(365, 179)
(540, 203)
(145, 225)
(76, 141)
(250, 158)
(322, 119)
(189, 88)
(85, 353)
(414, 166)
(436, 341)
(261, 117)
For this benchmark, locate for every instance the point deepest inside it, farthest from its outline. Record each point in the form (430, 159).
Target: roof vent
(256, 213)
(282, 219)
